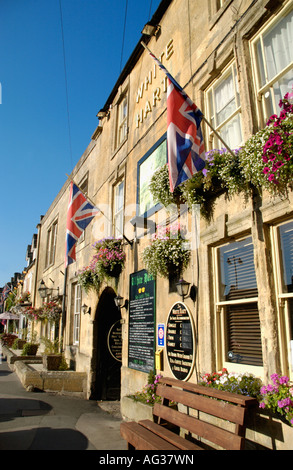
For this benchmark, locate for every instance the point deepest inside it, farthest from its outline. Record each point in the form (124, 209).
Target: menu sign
(180, 341)
(115, 341)
(142, 305)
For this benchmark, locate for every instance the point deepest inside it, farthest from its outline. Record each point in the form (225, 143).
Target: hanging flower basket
(51, 312)
(107, 262)
(89, 279)
(109, 258)
(167, 254)
(32, 313)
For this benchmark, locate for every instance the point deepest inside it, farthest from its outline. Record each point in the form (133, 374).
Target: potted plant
(52, 358)
(18, 343)
(31, 347)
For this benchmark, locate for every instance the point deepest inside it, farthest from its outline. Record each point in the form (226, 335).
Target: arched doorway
(107, 348)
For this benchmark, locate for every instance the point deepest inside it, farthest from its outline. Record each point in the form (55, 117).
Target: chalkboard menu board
(142, 302)
(180, 341)
(115, 341)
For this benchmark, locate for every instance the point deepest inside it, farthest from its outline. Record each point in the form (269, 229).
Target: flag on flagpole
(80, 213)
(186, 153)
(5, 292)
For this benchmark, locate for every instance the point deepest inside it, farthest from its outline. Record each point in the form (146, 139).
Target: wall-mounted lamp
(85, 309)
(183, 289)
(44, 291)
(119, 302)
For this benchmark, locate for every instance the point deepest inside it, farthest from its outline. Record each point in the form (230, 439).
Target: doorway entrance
(107, 353)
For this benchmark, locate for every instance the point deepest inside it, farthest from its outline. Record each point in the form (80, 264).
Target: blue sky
(34, 133)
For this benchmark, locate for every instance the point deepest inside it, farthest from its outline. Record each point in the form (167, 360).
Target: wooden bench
(198, 401)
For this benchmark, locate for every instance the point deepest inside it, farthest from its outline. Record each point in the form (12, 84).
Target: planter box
(52, 361)
(132, 410)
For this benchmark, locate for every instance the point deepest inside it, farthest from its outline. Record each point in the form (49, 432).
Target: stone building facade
(224, 54)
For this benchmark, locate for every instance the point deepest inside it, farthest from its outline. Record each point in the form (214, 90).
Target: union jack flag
(186, 154)
(5, 292)
(80, 213)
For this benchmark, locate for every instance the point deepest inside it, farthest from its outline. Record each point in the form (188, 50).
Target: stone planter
(132, 410)
(52, 361)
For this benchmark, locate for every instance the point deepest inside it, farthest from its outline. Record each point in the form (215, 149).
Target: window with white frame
(283, 243)
(223, 110)
(51, 244)
(76, 313)
(272, 53)
(122, 120)
(237, 304)
(118, 213)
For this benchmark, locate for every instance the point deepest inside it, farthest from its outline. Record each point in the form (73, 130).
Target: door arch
(106, 364)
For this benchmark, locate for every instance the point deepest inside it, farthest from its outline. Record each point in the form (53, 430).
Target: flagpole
(203, 117)
(125, 238)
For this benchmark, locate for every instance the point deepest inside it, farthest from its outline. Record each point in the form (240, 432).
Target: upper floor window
(122, 116)
(272, 52)
(51, 244)
(118, 212)
(223, 110)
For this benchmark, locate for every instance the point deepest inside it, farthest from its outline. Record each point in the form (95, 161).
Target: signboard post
(180, 341)
(142, 306)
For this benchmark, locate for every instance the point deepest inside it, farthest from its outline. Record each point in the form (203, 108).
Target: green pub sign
(142, 317)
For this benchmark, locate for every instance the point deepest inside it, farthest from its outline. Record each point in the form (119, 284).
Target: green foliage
(148, 394)
(51, 347)
(167, 253)
(278, 397)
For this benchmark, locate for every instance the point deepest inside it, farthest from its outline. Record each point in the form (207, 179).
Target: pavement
(46, 421)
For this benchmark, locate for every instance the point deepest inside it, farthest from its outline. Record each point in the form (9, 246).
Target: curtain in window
(278, 46)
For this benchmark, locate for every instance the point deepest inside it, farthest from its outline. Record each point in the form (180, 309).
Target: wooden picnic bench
(194, 404)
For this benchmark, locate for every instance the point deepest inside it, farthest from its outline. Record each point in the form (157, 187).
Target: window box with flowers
(270, 424)
(167, 255)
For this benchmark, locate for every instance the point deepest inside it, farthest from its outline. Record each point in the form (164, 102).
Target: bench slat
(214, 434)
(143, 439)
(230, 412)
(211, 392)
(179, 442)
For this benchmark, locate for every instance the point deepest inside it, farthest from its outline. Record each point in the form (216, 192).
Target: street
(43, 421)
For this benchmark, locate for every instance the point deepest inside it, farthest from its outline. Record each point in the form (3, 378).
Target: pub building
(235, 249)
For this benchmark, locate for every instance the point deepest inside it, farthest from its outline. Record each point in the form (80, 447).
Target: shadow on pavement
(11, 408)
(43, 439)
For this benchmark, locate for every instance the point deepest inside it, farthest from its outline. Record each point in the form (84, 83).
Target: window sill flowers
(166, 255)
(278, 397)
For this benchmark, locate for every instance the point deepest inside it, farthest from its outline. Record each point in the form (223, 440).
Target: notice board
(142, 317)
